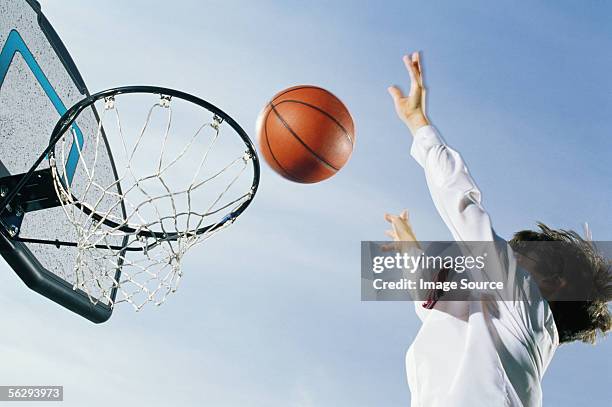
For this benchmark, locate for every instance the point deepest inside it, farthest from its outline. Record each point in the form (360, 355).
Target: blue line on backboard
(15, 43)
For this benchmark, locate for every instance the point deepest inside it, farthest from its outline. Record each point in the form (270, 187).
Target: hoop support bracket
(36, 194)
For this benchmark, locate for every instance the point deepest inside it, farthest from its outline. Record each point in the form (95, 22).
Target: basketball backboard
(38, 82)
(64, 226)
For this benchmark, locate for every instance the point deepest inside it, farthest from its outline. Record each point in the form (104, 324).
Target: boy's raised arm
(454, 192)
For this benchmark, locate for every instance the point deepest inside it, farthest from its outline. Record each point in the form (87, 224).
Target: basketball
(305, 134)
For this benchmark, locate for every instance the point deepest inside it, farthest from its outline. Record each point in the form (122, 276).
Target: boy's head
(572, 265)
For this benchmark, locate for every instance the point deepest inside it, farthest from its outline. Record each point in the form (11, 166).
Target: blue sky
(268, 313)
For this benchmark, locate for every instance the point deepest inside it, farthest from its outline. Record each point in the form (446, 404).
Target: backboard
(38, 82)
(73, 227)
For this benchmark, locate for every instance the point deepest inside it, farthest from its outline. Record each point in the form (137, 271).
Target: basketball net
(132, 233)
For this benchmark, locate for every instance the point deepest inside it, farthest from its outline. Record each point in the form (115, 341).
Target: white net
(174, 187)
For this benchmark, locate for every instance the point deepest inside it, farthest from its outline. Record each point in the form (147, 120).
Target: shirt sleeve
(454, 192)
(458, 201)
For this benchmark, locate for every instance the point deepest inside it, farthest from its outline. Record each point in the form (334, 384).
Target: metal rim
(73, 113)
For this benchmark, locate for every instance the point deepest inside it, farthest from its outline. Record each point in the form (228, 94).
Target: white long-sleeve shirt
(480, 352)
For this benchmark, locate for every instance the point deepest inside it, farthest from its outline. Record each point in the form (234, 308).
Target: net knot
(109, 102)
(164, 101)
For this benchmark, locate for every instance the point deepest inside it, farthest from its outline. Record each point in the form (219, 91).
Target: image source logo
(463, 271)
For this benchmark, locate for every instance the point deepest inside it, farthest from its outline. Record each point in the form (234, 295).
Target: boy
(465, 354)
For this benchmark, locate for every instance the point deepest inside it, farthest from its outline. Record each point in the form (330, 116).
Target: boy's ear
(552, 285)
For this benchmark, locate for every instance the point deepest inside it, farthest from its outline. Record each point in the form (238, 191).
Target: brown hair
(577, 320)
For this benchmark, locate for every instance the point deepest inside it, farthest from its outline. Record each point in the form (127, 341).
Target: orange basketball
(306, 134)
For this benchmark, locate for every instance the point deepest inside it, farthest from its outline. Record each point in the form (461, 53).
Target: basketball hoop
(168, 192)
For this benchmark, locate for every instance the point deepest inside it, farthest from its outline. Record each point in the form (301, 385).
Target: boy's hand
(411, 108)
(401, 230)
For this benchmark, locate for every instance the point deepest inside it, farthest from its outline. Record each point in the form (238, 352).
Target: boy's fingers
(404, 214)
(390, 217)
(391, 234)
(415, 83)
(395, 92)
(417, 60)
(410, 67)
